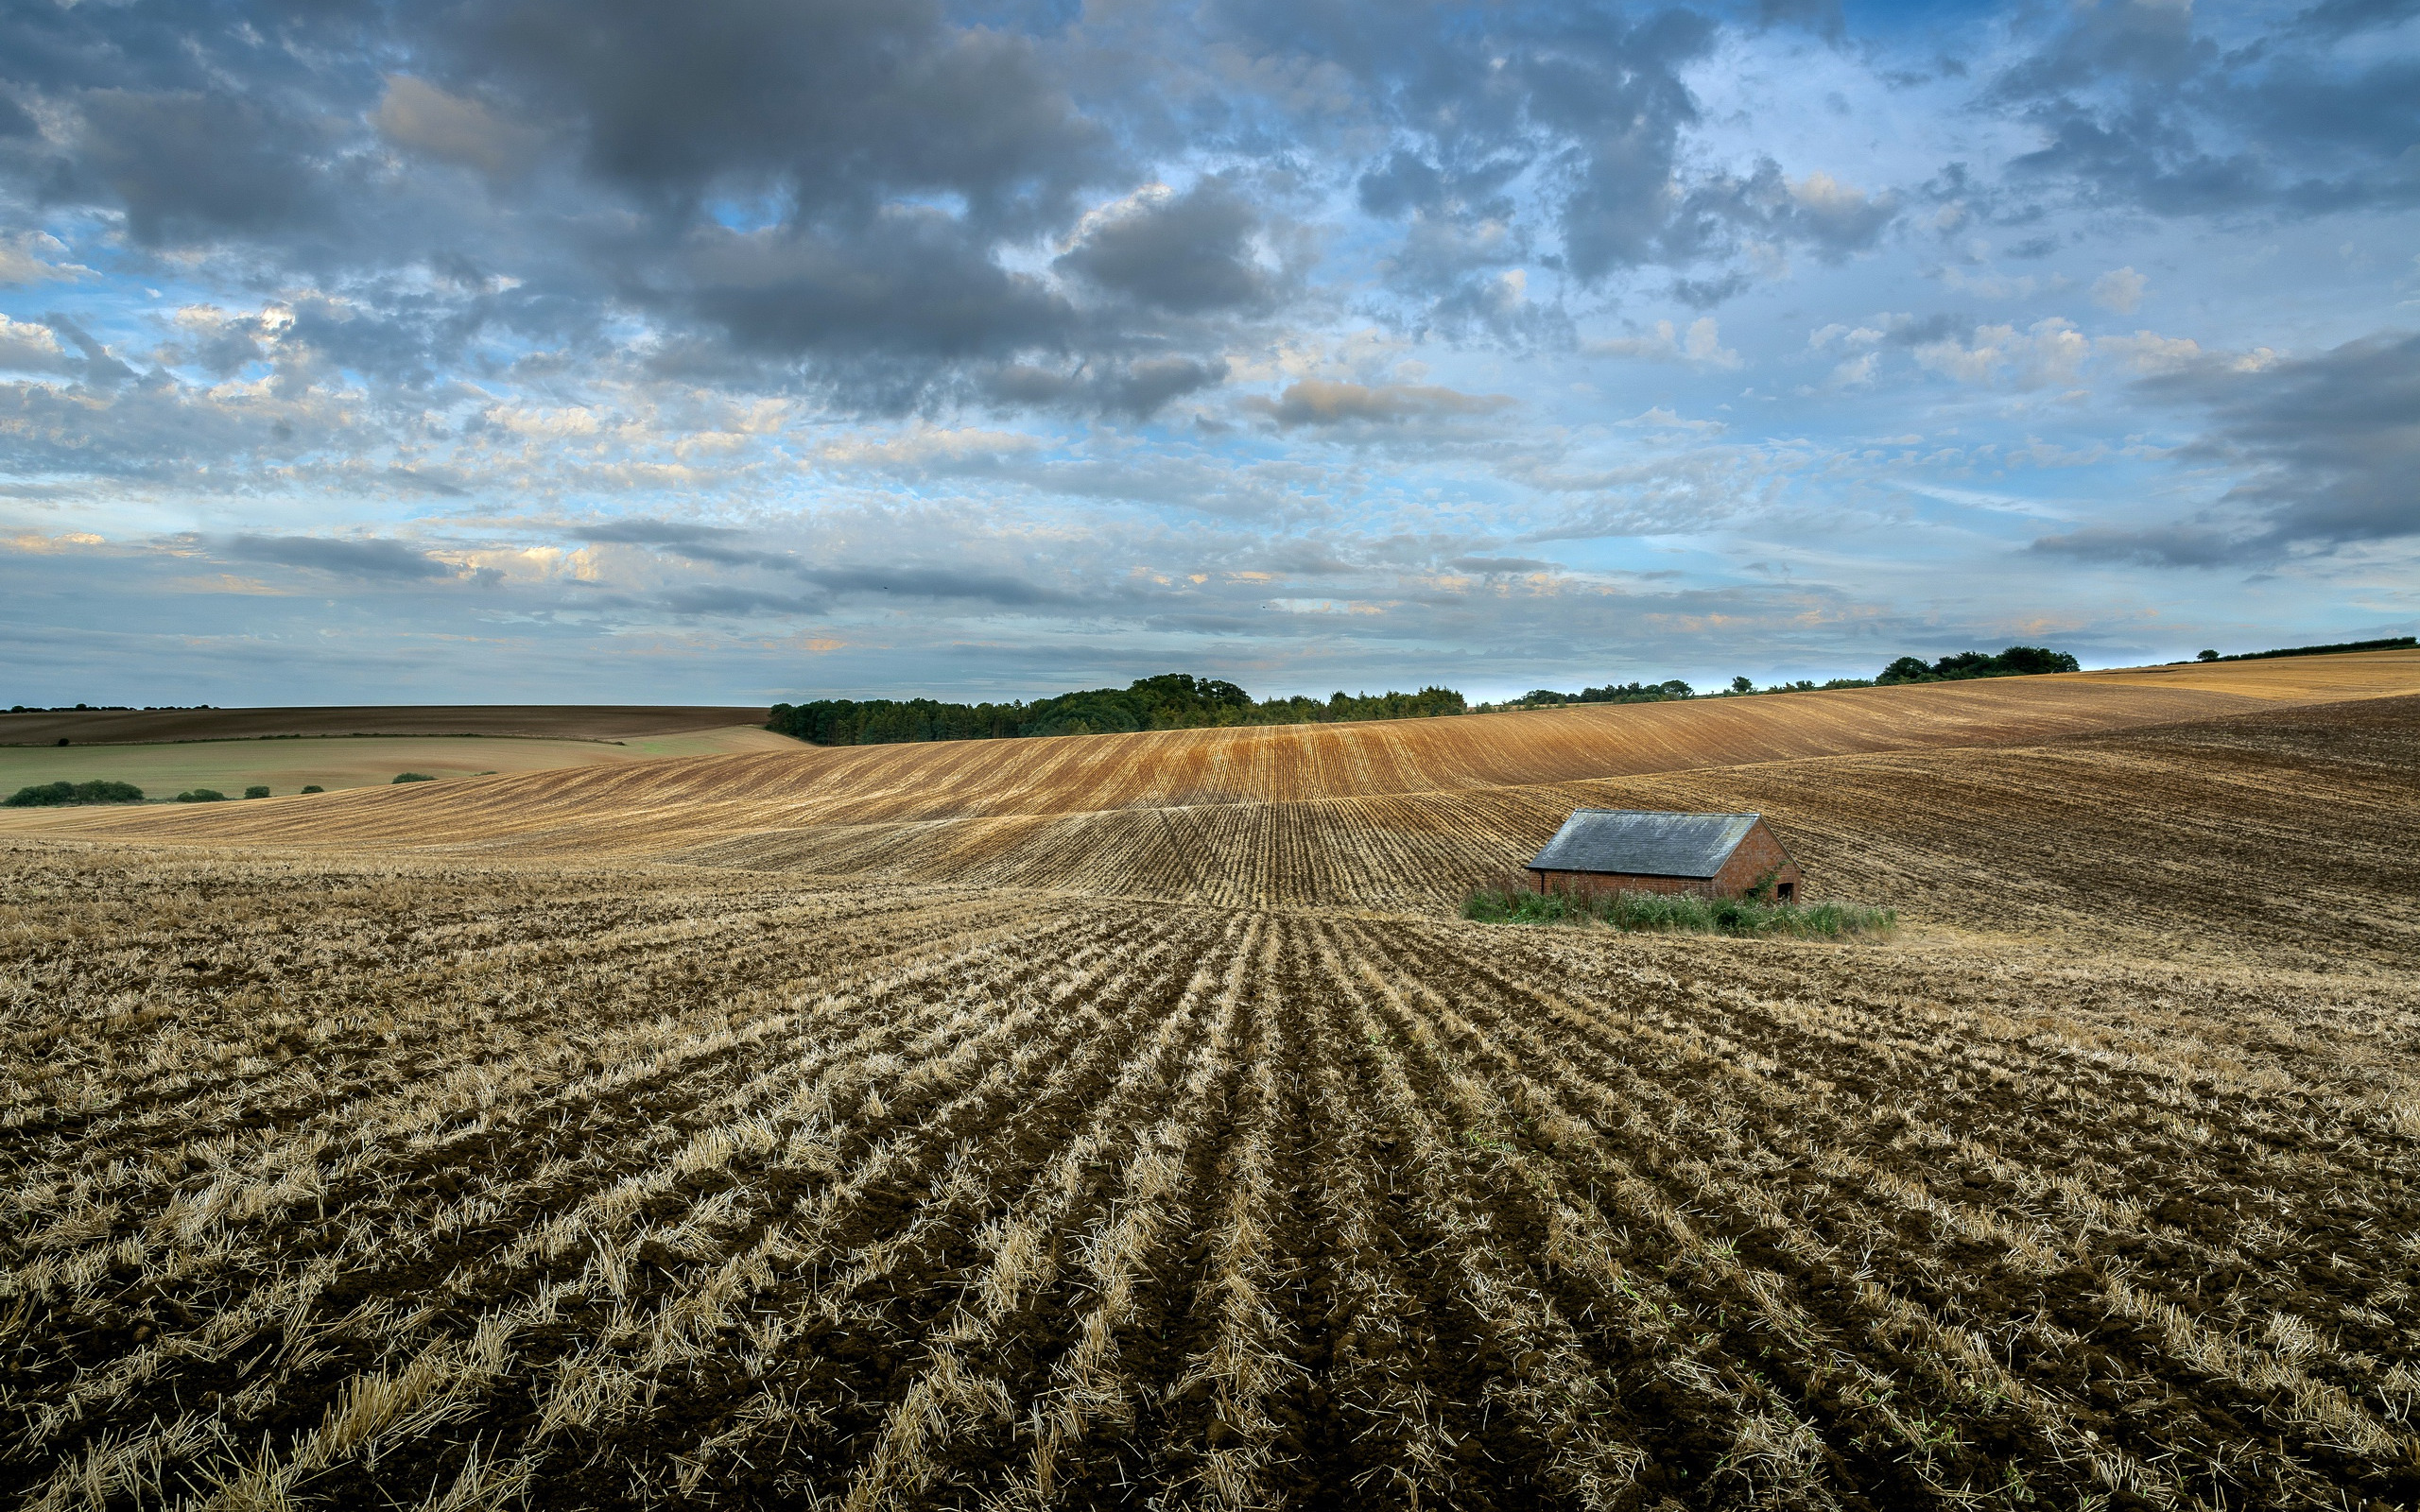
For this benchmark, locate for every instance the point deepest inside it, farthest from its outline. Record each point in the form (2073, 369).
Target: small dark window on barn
(1786, 892)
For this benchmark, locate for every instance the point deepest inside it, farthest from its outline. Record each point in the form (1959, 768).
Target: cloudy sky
(742, 350)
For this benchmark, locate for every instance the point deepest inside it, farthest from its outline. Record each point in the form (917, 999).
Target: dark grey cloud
(718, 599)
(2337, 437)
(905, 283)
(1829, 219)
(1704, 294)
(717, 544)
(838, 104)
(827, 184)
(2134, 108)
(640, 531)
(906, 581)
(2193, 543)
(1577, 110)
(94, 364)
(724, 546)
(191, 166)
(1138, 389)
(376, 560)
(1491, 565)
(2333, 446)
(1821, 17)
(2343, 18)
(1188, 254)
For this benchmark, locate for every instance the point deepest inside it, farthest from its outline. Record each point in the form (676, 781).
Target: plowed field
(647, 809)
(1192, 1155)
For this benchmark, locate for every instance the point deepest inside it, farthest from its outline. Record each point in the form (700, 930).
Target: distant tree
(1176, 700)
(54, 795)
(2205, 656)
(315, 788)
(412, 777)
(2031, 661)
(256, 790)
(201, 795)
(2017, 662)
(1742, 685)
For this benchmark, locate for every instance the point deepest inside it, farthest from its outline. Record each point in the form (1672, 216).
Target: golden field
(1128, 1120)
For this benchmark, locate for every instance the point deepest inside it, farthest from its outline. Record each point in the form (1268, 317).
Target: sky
(743, 350)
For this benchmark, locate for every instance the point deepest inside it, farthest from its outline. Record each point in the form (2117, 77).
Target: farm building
(1722, 855)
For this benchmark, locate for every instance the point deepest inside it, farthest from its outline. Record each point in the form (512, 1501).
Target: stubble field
(465, 1174)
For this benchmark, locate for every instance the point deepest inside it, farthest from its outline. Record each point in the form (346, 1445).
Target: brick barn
(1721, 855)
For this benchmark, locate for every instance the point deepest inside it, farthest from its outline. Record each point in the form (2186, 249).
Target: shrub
(256, 790)
(412, 777)
(201, 795)
(51, 795)
(1677, 912)
(315, 788)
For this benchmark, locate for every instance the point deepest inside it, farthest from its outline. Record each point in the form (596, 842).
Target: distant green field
(285, 767)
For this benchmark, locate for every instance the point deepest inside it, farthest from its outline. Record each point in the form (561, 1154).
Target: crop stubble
(476, 1185)
(1143, 1163)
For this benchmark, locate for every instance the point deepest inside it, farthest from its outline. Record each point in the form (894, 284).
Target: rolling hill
(675, 806)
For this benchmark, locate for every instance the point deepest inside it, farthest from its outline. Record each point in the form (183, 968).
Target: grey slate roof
(1643, 843)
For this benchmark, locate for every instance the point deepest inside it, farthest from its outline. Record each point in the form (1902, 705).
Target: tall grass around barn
(1510, 903)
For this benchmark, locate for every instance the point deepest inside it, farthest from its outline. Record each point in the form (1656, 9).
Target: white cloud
(25, 258)
(926, 446)
(29, 348)
(2148, 352)
(543, 423)
(2119, 290)
(2050, 352)
(1857, 371)
(1701, 346)
(1663, 418)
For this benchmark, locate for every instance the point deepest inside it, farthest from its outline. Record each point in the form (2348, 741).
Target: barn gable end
(1644, 850)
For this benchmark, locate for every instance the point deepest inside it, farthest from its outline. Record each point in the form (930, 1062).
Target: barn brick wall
(1757, 854)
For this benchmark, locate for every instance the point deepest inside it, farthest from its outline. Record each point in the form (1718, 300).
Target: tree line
(58, 795)
(2015, 661)
(1175, 700)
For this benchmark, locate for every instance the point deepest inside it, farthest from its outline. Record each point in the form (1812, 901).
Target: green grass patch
(1678, 913)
